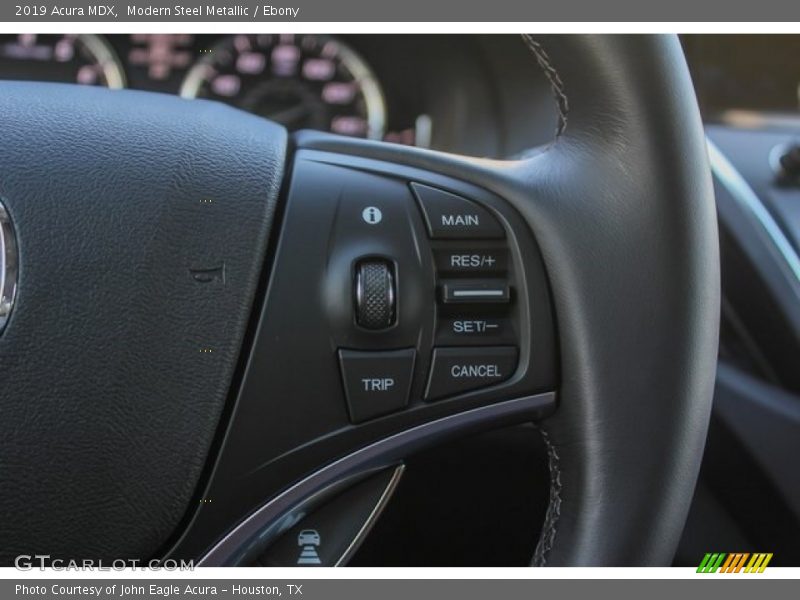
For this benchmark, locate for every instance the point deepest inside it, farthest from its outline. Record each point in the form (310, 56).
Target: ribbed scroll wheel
(375, 294)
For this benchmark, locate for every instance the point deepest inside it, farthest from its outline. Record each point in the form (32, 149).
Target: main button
(456, 370)
(376, 383)
(452, 217)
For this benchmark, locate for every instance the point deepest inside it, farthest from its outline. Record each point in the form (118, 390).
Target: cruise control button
(464, 260)
(376, 383)
(473, 330)
(452, 217)
(456, 370)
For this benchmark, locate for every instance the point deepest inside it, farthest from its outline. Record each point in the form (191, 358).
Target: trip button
(456, 370)
(452, 217)
(376, 383)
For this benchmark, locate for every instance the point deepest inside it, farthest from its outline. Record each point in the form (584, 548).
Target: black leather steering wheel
(169, 373)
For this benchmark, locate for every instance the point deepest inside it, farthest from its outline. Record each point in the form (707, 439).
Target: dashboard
(753, 73)
(479, 95)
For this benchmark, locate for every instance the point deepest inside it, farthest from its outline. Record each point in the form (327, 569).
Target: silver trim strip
(381, 454)
(9, 266)
(477, 293)
(373, 517)
(747, 198)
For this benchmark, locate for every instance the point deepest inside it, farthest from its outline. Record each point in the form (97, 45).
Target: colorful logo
(734, 563)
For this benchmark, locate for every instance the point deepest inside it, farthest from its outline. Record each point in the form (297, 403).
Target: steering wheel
(216, 326)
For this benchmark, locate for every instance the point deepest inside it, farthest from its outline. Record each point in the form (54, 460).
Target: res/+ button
(461, 261)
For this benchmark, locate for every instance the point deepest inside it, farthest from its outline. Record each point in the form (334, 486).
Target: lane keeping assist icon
(308, 540)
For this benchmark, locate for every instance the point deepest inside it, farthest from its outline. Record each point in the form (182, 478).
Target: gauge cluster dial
(72, 58)
(300, 81)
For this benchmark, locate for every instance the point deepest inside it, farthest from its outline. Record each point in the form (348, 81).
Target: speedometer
(300, 81)
(72, 58)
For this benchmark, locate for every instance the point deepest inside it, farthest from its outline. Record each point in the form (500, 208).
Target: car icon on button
(308, 537)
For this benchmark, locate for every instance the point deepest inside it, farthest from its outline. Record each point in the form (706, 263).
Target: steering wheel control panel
(395, 292)
(397, 300)
(475, 341)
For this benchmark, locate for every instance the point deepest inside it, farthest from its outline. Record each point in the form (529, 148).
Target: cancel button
(458, 370)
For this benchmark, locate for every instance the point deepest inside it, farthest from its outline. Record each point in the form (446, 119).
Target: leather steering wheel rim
(626, 444)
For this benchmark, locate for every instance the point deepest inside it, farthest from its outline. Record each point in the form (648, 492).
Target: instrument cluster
(303, 81)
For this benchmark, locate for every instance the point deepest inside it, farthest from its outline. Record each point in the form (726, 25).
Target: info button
(376, 383)
(456, 370)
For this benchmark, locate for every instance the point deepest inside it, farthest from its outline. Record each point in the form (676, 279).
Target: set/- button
(452, 217)
(458, 370)
(463, 330)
